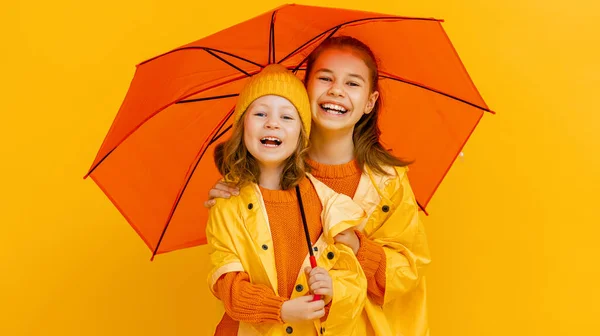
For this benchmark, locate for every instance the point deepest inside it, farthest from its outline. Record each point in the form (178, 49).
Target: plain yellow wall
(514, 228)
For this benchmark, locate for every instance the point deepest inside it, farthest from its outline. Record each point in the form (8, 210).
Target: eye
(353, 84)
(325, 79)
(260, 114)
(287, 117)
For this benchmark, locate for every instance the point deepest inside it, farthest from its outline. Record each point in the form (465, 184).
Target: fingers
(227, 188)
(315, 287)
(313, 271)
(320, 282)
(318, 274)
(212, 194)
(217, 193)
(315, 305)
(305, 298)
(223, 190)
(304, 308)
(323, 288)
(317, 270)
(317, 278)
(220, 190)
(316, 308)
(324, 292)
(310, 304)
(317, 314)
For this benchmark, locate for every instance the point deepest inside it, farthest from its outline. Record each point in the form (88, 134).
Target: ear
(371, 102)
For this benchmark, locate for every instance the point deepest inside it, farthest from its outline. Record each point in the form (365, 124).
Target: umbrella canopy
(156, 164)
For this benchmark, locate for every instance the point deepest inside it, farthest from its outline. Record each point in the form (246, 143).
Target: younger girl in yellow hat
(258, 248)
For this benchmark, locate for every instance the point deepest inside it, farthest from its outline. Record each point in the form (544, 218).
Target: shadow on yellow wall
(513, 228)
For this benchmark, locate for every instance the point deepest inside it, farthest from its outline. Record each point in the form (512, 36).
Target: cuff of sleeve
(369, 255)
(270, 304)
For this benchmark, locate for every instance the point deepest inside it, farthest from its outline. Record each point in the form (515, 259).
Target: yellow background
(514, 228)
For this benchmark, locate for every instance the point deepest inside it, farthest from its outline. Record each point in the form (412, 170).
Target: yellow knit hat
(275, 79)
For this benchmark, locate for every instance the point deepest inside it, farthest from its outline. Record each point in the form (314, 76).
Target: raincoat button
(250, 206)
(299, 288)
(289, 330)
(330, 255)
(322, 330)
(316, 249)
(385, 208)
(265, 247)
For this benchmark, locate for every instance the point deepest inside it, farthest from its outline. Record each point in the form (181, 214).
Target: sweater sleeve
(373, 262)
(247, 302)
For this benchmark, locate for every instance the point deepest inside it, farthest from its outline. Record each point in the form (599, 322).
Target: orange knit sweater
(254, 303)
(258, 303)
(344, 179)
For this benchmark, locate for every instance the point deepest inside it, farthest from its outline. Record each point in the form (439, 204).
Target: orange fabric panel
(156, 163)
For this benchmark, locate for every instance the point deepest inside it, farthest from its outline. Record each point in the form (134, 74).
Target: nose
(272, 123)
(336, 90)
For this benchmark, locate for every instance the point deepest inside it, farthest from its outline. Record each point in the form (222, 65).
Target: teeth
(334, 107)
(270, 141)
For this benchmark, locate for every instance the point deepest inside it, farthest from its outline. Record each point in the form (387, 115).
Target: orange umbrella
(155, 163)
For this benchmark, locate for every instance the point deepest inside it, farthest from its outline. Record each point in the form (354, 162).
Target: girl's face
(271, 130)
(339, 89)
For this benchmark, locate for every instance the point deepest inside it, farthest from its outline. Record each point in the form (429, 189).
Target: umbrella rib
(305, 58)
(304, 45)
(291, 54)
(398, 79)
(439, 182)
(227, 62)
(206, 49)
(218, 136)
(187, 182)
(355, 21)
(422, 208)
(272, 38)
(235, 56)
(93, 168)
(195, 100)
(100, 162)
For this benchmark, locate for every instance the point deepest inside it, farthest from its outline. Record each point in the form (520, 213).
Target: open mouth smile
(270, 141)
(333, 108)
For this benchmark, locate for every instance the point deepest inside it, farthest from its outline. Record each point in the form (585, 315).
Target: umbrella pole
(313, 260)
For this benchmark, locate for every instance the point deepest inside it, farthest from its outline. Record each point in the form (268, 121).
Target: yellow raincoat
(239, 238)
(393, 222)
